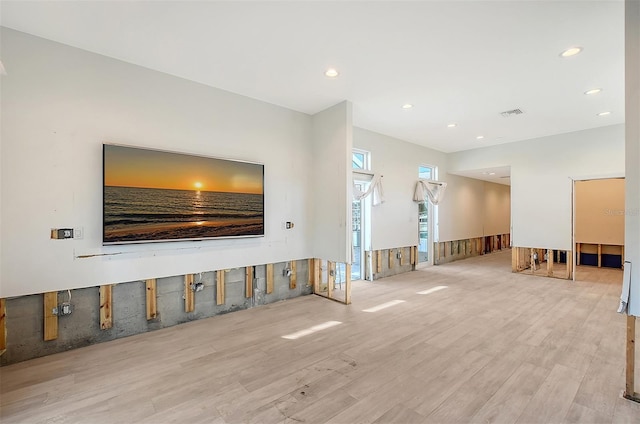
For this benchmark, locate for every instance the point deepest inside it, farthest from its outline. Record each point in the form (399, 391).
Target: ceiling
(461, 62)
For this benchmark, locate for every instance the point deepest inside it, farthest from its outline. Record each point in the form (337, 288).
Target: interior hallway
(490, 347)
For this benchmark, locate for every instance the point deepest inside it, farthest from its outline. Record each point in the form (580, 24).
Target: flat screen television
(156, 196)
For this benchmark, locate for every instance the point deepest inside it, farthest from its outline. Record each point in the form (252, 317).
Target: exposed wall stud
(549, 263)
(599, 256)
(189, 294)
(569, 261)
(220, 287)
(152, 299)
(3, 326)
(347, 290)
(50, 318)
(269, 272)
(293, 278)
(331, 277)
(316, 275)
(629, 391)
(391, 258)
(412, 255)
(378, 261)
(248, 281)
(106, 317)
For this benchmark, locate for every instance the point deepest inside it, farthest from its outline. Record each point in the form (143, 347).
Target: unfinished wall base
(128, 308)
(449, 251)
(542, 262)
(388, 262)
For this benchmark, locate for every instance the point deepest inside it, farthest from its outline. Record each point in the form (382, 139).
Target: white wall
(473, 208)
(59, 104)
(332, 146)
(461, 212)
(541, 178)
(632, 112)
(497, 209)
(395, 222)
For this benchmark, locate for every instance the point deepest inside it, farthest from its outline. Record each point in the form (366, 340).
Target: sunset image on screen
(152, 195)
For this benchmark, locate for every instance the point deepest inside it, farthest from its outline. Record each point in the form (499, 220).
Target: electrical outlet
(78, 233)
(197, 287)
(286, 272)
(63, 309)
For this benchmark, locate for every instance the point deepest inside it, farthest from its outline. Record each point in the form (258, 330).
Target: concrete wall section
(59, 104)
(24, 317)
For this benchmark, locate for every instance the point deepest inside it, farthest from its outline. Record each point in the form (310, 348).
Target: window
(360, 160)
(426, 172)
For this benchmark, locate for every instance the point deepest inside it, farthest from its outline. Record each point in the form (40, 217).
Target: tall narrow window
(425, 217)
(361, 161)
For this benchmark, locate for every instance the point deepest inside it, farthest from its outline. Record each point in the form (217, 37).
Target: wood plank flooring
(493, 347)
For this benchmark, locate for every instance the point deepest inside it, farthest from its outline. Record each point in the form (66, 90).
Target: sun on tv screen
(154, 196)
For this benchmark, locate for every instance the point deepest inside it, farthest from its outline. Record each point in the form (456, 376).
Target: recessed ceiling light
(571, 52)
(604, 113)
(593, 91)
(331, 73)
(452, 125)
(480, 137)
(407, 106)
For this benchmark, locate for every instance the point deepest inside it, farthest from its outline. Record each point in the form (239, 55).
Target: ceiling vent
(513, 112)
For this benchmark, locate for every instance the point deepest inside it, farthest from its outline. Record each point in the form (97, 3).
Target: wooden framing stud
(310, 264)
(3, 326)
(629, 392)
(578, 248)
(331, 279)
(106, 307)
(392, 258)
(412, 255)
(549, 263)
(293, 278)
(189, 294)
(50, 318)
(403, 257)
(599, 256)
(378, 261)
(316, 275)
(568, 273)
(248, 281)
(220, 286)
(269, 276)
(514, 259)
(152, 299)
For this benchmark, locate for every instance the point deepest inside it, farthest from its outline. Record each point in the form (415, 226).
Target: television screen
(152, 196)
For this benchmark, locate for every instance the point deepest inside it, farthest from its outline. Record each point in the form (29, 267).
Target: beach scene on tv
(153, 195)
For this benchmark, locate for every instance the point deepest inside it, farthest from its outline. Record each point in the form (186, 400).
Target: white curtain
(375, 188)
(434, 191)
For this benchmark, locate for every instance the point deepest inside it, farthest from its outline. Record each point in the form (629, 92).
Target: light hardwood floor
(490, 347)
